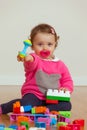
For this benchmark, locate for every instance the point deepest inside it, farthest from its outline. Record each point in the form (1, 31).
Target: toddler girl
(43, 71)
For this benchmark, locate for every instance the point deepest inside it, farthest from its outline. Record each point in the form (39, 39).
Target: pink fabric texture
(42, 74)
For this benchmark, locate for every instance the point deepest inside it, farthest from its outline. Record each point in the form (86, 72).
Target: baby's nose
(45, 47)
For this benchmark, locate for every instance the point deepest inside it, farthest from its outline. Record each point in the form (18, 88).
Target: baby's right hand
(19, 58)
(26, 58)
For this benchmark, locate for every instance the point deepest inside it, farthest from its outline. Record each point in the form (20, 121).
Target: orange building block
(54, 112)
(40, 109)
(22, 119)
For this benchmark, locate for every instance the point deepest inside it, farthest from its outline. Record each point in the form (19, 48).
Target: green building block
(33, 110)
(66, 114)
(26, 124)
(62, 124)
(8, 128)
(58, 98)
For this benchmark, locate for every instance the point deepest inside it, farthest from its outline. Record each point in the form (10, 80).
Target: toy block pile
(17, 108)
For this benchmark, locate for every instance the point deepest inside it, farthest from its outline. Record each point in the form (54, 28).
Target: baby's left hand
(63, 88)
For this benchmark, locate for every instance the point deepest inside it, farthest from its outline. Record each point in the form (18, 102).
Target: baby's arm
(66, 82)
(22, 54)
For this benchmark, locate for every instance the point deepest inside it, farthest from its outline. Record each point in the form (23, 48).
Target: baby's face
(44, 45)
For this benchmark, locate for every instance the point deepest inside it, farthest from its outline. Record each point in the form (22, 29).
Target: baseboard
(18, 80)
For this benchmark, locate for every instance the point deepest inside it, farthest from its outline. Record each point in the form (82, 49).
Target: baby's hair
(44, 28)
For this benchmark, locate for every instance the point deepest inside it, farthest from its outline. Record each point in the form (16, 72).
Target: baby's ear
(58, 37)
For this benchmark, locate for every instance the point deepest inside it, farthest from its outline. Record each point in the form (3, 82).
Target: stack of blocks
(54, 95)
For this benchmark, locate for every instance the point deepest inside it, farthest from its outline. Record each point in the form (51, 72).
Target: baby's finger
(63, 89)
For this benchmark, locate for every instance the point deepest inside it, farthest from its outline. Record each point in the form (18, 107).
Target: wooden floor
(79, 104)
(78, 99)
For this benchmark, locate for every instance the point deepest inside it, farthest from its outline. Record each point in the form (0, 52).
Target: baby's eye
(50, 44)
(40, 44)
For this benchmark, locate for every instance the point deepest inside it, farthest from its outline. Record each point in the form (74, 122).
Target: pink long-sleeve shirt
(44, 74)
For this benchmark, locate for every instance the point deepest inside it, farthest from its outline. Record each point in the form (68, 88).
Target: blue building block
(2, 126)
(53, 121)
(15, 127)
(27, 108)
(40, 124)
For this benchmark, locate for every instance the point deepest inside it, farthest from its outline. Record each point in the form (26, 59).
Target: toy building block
(27, 43)
(36, 128)
(27, 108)
(53, 121)
(64, 119)
(16, 107)
(2, 126)
(21, 128)
(54, 112)
(47, 120)
(33, 110)
(13, 127)
(39, 109)
(58, 95)
(26, 124)
(31, 117)
(66, 114)
(64, 128)
(74, 127)
(22, 109)
(22, 119)
(81, 122)
(51, 101)
(61, 124)
(13, 117)
(40, 124)
(6, 128)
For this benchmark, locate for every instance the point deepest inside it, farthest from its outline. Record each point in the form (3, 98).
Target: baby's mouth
(44, 54)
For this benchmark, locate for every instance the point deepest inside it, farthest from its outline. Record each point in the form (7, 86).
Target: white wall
(69, 17)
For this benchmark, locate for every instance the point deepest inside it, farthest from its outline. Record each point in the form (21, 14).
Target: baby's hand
(19, 58)
(63, 88)
(26, 58)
